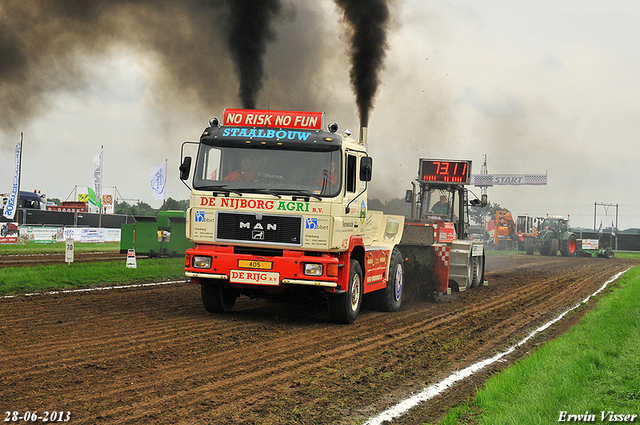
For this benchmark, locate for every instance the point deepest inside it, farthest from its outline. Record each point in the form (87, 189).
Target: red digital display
(435, 170)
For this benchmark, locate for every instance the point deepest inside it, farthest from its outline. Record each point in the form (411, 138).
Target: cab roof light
(214, 122)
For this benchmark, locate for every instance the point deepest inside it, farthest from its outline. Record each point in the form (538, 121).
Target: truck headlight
(313, 269)
(201, 262)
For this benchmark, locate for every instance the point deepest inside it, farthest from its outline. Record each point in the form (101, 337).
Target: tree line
(144, 209)
(394, 206)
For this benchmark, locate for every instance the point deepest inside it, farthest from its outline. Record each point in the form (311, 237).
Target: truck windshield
(438, 201)
(276, 171)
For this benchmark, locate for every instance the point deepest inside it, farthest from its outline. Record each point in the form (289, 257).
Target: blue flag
(12, 204)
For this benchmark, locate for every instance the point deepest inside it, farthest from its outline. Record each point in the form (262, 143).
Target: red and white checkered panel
(443, 252)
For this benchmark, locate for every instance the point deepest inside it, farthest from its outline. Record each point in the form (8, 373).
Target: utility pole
(484, 170)
(606, 208)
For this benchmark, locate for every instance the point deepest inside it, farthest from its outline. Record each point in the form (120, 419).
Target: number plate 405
(254, 264)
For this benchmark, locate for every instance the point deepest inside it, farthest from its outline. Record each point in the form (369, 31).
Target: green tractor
(553, 235)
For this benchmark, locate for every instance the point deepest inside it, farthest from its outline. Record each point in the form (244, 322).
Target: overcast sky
(539, 87)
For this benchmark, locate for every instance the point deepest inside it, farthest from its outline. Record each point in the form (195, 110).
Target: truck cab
(279, 208)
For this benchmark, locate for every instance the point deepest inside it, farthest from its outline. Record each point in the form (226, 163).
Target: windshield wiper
(220, 188)
(261, 190)
(301, 193)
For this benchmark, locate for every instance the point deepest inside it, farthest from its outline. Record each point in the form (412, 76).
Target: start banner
(508, 179)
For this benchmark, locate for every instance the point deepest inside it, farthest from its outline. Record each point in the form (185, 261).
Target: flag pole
(100, 201)
(24, 215)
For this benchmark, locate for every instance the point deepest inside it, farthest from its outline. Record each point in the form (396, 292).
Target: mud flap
(441, 268)
(426, 269)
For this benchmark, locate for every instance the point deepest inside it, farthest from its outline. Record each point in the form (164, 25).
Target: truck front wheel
(344, 308)
(216, 297)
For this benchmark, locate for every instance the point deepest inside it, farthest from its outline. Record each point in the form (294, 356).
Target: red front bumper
(268, 272)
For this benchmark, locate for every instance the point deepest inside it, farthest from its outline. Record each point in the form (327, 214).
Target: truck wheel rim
(398, 282)
(355, 292)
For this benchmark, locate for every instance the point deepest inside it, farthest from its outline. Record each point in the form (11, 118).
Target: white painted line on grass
(97, 288)
(435, 389)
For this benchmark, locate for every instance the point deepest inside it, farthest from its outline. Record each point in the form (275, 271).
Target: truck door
(354, 189)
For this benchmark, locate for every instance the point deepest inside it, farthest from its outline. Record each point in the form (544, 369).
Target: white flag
(158, 180)
(600, 231)
(12, 204)
(95, 182)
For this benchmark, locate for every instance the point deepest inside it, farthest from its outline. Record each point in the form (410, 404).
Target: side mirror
(366, 166)
(185, 167)
(484, 201)
(408, 195)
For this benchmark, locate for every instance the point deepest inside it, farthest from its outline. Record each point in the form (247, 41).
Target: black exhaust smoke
(198, 45)
(249, 32)
(368, 21)
(193, 40)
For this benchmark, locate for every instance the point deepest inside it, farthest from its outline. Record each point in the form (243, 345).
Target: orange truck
(505, 232)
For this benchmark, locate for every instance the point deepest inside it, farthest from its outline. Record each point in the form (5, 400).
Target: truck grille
(260, 229)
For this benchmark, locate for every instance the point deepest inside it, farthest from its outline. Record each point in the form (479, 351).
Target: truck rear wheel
(217, 298)
(478, 270)
(345, 307)
(554, 245)
(569, 247)
(529, 245)
(389, 298)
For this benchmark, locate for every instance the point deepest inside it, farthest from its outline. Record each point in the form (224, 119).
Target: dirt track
(25, 260)
(153, 355)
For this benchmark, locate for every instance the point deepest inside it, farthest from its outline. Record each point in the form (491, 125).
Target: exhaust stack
(363, 135)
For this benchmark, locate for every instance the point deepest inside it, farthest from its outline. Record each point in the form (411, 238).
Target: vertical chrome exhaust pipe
(363, 135)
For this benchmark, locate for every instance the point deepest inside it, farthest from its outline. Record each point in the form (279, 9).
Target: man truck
(278, 207)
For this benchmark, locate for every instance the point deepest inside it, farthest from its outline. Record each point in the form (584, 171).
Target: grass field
(82, 275)
(59, 248)
(589, 375)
